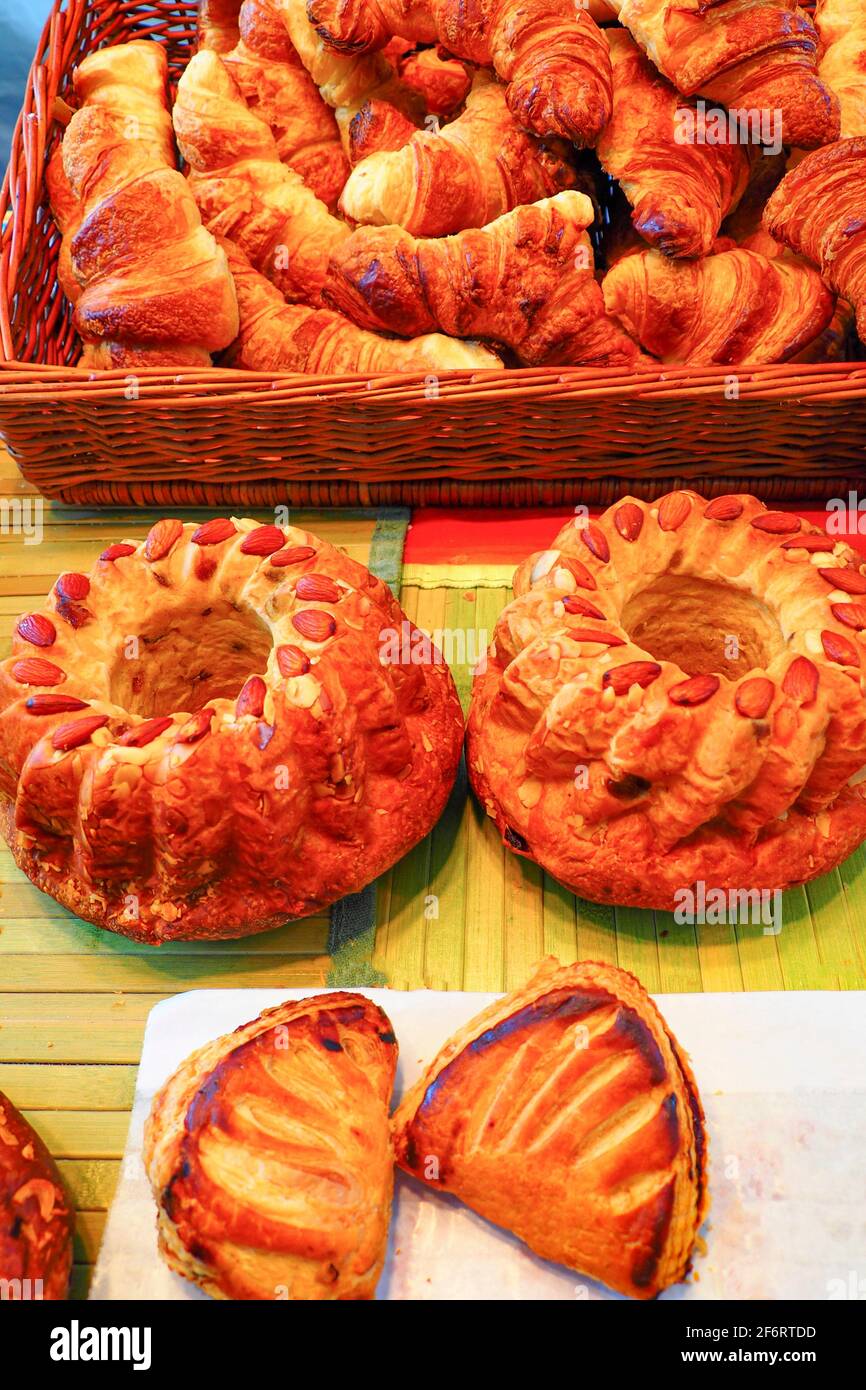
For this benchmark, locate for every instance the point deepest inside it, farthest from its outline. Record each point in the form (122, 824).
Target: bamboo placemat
(459, 912)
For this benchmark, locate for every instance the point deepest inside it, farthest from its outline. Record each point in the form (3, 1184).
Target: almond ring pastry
(35, 1216)
(675, 695)
(270, 1158)
(203, 737)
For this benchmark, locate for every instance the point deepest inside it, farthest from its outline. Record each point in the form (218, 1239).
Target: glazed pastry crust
(567, 1113)
(36, 1220)
(749, 779)
(269, 1154)
(236, 814)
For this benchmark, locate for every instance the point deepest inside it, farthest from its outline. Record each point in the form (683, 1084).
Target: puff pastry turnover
(566, 1113)
(269, 1154)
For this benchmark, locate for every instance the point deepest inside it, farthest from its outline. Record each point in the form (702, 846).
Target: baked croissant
(155, 287)
(567, 1113)
(344, 80)
(831, 344)
(441, 82)
(551, 53)
(525, 280)
(377, 126)
(275, 84)
(217, 25)
(269, 1155)
(279, 337)
(243, 190)
(732, 308)
(463, 175)
(841, 25)
(679, 192)
(36, 1220)
(753, 55)
(819, 210)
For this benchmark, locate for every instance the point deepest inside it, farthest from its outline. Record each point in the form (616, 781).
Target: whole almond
(726, 508)
(694, 691)
(849, 581)
(755, 696)
(573, 603)
(76, 732)
(73, 586)
(264, 540)
(314, 625)
(252, 698)
(145, 733)
(318, 588)
(35, 670)
(117, 552)
(213, 532)
(292, 661)
(801, 680)
(851, 614)
(813, 542)
(596, 542)
(161, 537)
(196, 727)
(673, 510)
(37, 629)
(294, 555)
(578, 571)
(839, 649)
(777, 523)
(628, 520)
(53, 704)
(621, 678)
(586, 634)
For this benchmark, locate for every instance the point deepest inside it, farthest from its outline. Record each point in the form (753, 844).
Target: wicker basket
(500, 438)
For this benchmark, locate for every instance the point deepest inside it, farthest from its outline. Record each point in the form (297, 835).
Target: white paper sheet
(783, 1081)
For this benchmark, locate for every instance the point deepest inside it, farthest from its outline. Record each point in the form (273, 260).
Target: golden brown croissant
(155, 287)
(735, 307)
(753, 55)
(525, 280)
(680, 192)
(243, 190)
(36, 1220)
(269, 1155)
(217, 25)
(279, 337)
(567, 1113)
(841, 25)
(551, 53)
(463, 175)
(275, 84)
(441, 82)
(819, 210)
(345, 81)
(377, 126)
(830, 345)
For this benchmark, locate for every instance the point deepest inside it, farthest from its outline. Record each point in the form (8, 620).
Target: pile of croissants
(378, 186)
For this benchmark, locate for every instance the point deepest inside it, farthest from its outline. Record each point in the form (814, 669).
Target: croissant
(679, 192)
(819, 210)
(345, 81)
(377, 126)
(831, 344)
(463, 175)
(274, 83)
(269, 1155)
(154, 286)
(279, 337)
(217, 24)
(757, 56)
(525, 280)
(567, 1113)
(730, 308)
(441, 82)
(841, 25)
(551, 53)
(243, 190)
